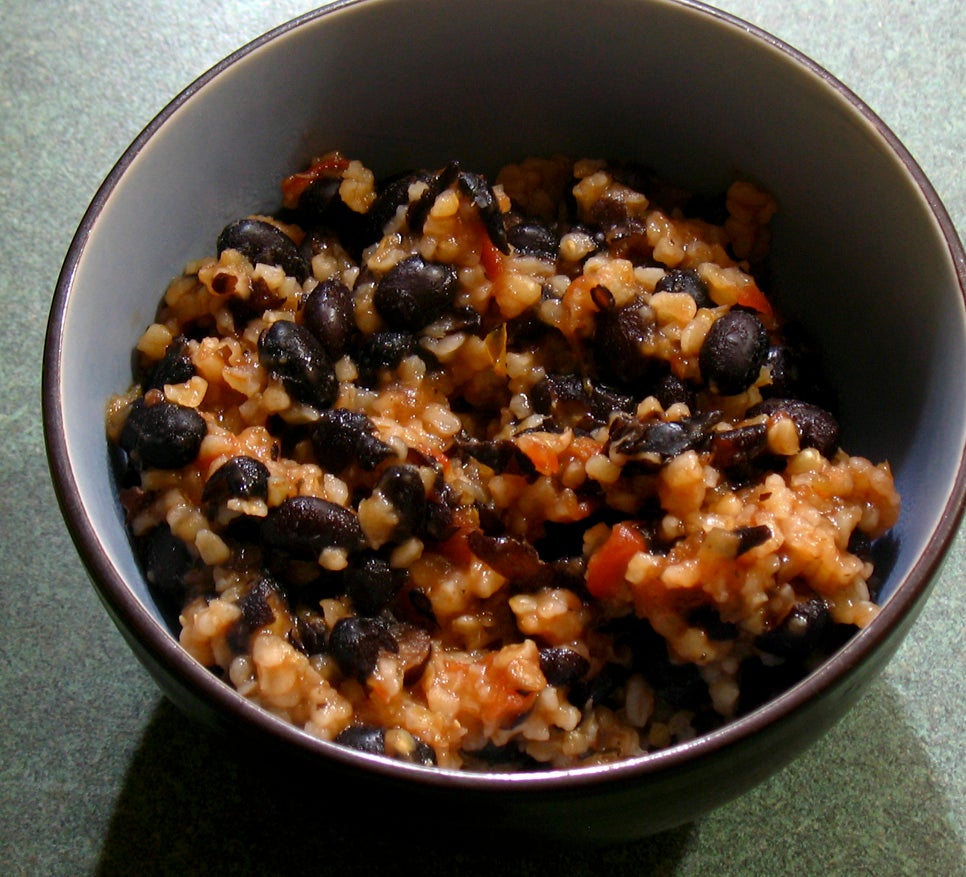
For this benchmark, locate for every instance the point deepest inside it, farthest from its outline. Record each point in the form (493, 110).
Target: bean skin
(260, 241)
(733, 352)
(563, 666)
(164, 435)
(305, 525)
(295, 356)
(414, 293)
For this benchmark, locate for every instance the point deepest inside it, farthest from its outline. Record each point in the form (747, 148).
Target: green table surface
(100, 774)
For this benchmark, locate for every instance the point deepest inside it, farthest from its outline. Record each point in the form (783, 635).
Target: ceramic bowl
(864, 255)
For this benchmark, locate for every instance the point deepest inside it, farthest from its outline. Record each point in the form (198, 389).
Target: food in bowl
(509, 476)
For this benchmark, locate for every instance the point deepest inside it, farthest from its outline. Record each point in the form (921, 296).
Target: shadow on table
(191, 806)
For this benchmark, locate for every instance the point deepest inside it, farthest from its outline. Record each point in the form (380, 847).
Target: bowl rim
(163, 648)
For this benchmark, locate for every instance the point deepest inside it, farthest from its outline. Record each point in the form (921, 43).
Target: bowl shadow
(193, 802)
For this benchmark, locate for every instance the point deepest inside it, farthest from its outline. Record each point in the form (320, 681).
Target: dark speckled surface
(99, 774)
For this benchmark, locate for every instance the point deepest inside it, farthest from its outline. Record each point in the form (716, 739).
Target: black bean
(328, 314)
(166, 561)
(563, 666)
(736, 448)
(164, 435)
(478, 188)
(414, 293)
(653, 442)
(305, 525)
(681, 685)
(619, 336)
(418, 211)
(598, 689)
(310, 632)
(258, 607)
(671, 389)
(385, 350)
(733, 352)
(403, 487)
(513, 558)
(530, 237)
(629, 240)
(175, 367)
(260, 241)
(709, 619)
(372, 584)
(295, 356)
(817, 428)
(355, 644)
(240, 478)
(801, 633)
(393, 194)
(501, 455)
(686, 280)
(342, 437)
(364, 738)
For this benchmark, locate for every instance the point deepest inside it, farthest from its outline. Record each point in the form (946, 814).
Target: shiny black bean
(801, 633)
(403, 487)
(305, 525)
(816, 427)
(686, 280)
(733, 352)
(258, 608)
(372, 584)
(175, 367)
(342, 437)
(562, 666)
(328, 314)
(295, 356)
(414, 293)
(260, 241)
(355, 644)
(240, 478)
(530, 237)
(164, 435)
(364, 738)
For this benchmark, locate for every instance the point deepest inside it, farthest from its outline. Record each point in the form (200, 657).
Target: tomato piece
(608, 565)
(752, 297)
(491, 258)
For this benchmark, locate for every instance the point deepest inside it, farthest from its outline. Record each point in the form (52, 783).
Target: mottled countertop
(100, 774)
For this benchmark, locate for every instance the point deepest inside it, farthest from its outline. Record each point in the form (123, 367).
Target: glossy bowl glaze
(864, 255)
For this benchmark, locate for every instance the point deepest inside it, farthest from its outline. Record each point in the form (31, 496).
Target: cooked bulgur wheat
(506, 476)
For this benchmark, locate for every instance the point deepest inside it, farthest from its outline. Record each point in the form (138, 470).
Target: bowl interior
(859, 253)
